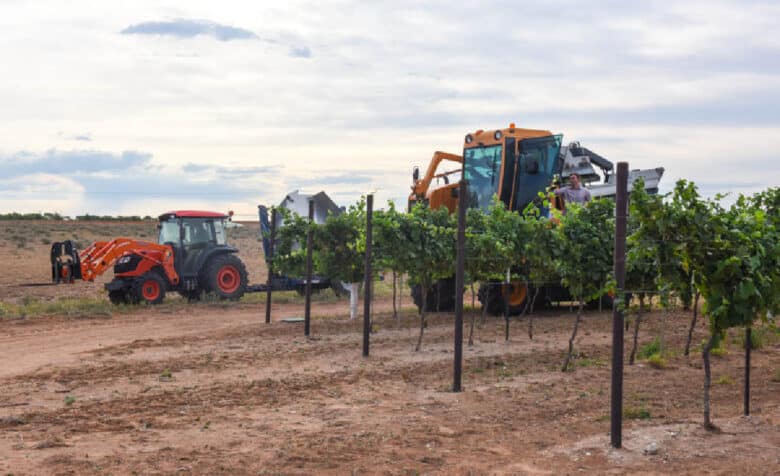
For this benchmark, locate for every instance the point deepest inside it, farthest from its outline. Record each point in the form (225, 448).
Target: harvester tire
(149, 289)
(495, 301)
(226, 276)
(440, 296)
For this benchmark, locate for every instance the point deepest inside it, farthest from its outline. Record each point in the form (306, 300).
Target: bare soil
(205, 389)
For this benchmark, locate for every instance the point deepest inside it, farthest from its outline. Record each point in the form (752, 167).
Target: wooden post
(621, 211)
(269, 262)
(748, 346)
(309, 244)
(460, 262)
(367, 286)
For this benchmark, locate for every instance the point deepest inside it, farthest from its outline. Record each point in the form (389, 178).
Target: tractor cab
(193, 235)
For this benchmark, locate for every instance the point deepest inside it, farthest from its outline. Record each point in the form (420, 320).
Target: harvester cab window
(538, 160)
(482, 169)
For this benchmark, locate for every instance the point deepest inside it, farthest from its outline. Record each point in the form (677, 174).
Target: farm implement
(516, 165)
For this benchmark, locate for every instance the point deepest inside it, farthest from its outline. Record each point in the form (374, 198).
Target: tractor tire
(226, 276)
(495, 301)
(118, 297)
(148, 289)
(440, 296)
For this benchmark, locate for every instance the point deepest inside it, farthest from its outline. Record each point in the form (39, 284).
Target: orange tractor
(191, 257)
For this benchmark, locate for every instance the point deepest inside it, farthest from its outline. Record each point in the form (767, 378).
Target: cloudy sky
(140, 107)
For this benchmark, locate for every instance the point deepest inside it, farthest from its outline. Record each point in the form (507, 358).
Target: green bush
(758, 337)
(648, 350)
(657, 361)
(636, 413)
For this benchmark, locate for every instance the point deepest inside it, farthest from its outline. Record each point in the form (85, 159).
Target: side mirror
(416, 173)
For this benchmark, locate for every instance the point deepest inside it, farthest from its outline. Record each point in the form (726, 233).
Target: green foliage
(429, 237)
(641, 265)
(341, 245)
(586, 238)
(740, 278)
(389, 242)
(31, 216)
(636, 413)
(648, 350)
(657, 361)
(290, 248)
(724, 380)
(758, 337)
(541, 248)
(69, 400)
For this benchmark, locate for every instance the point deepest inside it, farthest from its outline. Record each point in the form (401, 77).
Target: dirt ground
(211, 389)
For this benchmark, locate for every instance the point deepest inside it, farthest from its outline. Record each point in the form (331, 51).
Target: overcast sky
(141, 107)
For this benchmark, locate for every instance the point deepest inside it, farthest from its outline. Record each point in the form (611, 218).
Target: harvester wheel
(226, 277)
(491, 294)
(149, 288)
(440, 296)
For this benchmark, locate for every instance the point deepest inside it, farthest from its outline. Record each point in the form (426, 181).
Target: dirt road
(205, 390)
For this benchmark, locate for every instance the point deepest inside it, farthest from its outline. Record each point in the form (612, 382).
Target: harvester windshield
(482, 169)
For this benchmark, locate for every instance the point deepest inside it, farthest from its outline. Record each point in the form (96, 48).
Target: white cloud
(352, 89)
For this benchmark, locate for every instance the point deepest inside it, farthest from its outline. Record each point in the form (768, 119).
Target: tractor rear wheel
(226, 276)
(149, 289)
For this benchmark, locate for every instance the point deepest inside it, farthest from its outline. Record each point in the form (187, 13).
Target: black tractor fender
(208, 254)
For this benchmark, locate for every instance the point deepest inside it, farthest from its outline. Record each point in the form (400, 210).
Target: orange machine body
(102, 255)
(446, 195)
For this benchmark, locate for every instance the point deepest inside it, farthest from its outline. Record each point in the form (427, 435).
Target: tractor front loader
(191, 257)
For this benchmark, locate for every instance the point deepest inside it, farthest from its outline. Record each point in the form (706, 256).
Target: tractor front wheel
(149, 289)
(118, 297)
(226, 276)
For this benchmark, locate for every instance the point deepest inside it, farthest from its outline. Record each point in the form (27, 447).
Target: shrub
(648, 350)
(636, 413)
(758, 337)
(657, 361)
(725, 380)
